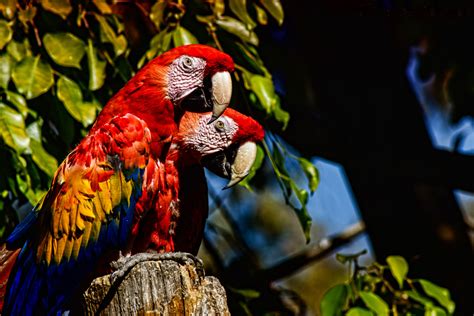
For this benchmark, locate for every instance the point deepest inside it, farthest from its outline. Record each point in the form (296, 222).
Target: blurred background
(377, 95)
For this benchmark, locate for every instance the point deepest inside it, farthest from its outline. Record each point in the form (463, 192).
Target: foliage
(57, 56)
(385, 289)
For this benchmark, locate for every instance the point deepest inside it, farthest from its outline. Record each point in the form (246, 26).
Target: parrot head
(186, 78)
(197, 75)
(226, 147)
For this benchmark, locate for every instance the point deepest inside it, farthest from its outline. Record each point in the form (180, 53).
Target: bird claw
(125, 264)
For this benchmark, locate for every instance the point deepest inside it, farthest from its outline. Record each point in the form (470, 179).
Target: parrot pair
(134, 183)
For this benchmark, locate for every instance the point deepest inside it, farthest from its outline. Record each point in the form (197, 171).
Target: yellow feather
(87, 233)
(104, 196)
(65, 223)
(126, 190)
(115, 189)
(85, 208)
(60, 249)
(95, 230)
(80, 222)
(73, 217)
(48, 250)
(77, 246)
(68, 248)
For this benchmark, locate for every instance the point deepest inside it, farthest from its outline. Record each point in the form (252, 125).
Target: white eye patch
(186, 73)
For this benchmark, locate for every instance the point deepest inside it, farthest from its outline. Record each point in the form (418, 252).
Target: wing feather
(87, 210)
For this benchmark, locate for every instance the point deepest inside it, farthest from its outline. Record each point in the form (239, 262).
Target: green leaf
(253, 170)
(261, 15)
(70, 94)
(334, 300)
(343, 258)
(65, 49)
(275, 9)
(375, 303)
(419, 298)
(60, 7)
(237, 28)
(239, 8)
(12, 129)
(265, 91)
(6, 33)
(103, 7)
(19, 50)
(32, 77)
(108, 35)
(359, 311)
(159, 44)
(41, 157)
(439, 293)
(247, 293)
(96, 67)
(6, 66)
(399, 268)
(435, 311)
(156, 13)
(18, 101)
(8, 8)
(311, 172)
(181, 36)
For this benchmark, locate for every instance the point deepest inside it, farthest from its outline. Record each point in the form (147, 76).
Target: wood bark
(157, 288)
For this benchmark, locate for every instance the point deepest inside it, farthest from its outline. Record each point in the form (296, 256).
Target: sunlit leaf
(8, 8)
(108, 35)
(399, 268)
(375, 303)
(70, 94)
(243, 51)
(103, 7)
(96, 67)
(247, 293)
(334, 300)
(6, 33)
(419, 298)
(156, 12)
(181, 36)
(274, 8)
(239, 8)
(60, 7)
(65, 49)
(19, 50)
(41, 157)
(237, 28)
(18, 101)
(261, 15)
(253, 170)
(311, 172)
(159, 43)
(6, 66)
(435, 311)
(439, 293)
(359, 311)
(32, 77)
(12, 129)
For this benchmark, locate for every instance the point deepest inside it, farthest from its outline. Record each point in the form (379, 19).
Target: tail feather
(7, 261)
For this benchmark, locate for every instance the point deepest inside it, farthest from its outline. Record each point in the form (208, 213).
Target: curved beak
(233, 164)
(221, 93)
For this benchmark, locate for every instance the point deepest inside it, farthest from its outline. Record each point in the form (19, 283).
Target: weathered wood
(157, 288)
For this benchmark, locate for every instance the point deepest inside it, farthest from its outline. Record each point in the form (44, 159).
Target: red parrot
(90, 206)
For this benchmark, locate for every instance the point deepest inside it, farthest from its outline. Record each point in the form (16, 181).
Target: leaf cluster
(385, 289)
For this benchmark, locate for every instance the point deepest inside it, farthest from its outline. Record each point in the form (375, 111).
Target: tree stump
(161, 287)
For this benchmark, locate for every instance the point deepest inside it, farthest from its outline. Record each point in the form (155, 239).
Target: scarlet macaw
(88, 212)
(90, 206)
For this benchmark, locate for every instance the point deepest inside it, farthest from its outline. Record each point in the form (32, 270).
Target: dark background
(343, 68)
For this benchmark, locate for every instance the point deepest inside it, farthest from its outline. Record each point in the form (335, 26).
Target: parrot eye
(187, 63)
(219, 126)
